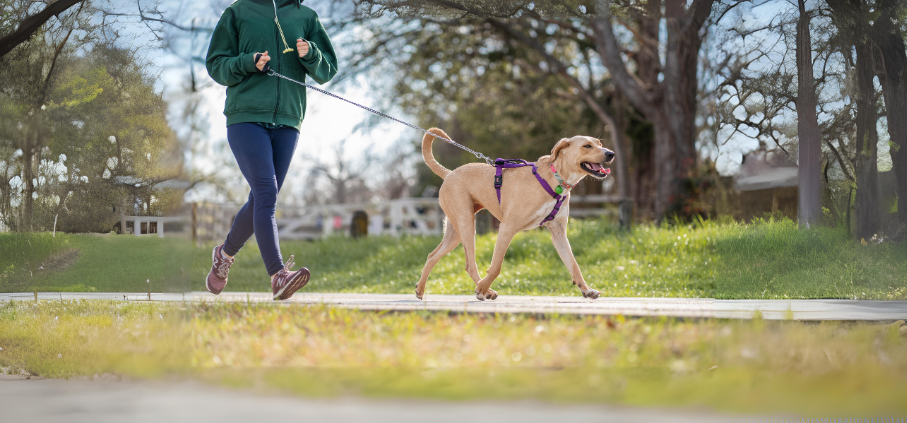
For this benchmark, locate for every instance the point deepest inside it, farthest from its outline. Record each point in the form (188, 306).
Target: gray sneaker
(285, 283)
(217, 277)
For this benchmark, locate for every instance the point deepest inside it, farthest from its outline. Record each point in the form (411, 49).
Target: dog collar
(563, 185)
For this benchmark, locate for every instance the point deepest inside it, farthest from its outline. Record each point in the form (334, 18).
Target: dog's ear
(562, 144)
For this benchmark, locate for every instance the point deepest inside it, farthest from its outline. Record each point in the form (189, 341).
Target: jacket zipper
(277, 106)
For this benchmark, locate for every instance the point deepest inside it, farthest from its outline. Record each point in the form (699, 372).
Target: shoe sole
(208, 287)
(293, 287)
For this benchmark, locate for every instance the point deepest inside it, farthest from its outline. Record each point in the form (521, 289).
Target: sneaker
(217, 277)
(285, 283)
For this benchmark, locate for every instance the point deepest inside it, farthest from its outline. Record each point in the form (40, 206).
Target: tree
(888, 37)
(344, 180)
(29, 24)
(83, 135)
(488, 91)
(669, 104)
(852, 20)
(810, 160)
(30, 21)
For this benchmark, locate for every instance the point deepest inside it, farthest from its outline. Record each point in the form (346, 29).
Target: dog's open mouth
(596, 169)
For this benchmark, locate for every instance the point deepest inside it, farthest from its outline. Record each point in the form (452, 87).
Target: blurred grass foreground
(826, 369)
(766, 259)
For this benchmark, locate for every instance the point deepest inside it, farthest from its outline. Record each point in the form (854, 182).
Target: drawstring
(287, 48)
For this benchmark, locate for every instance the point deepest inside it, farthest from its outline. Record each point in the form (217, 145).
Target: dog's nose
(609, 155)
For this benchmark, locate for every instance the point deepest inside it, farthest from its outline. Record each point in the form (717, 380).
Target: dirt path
(53, 400)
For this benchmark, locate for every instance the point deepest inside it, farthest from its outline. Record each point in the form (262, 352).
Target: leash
(478, 155)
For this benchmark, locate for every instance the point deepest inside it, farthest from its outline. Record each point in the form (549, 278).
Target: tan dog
(524, 204)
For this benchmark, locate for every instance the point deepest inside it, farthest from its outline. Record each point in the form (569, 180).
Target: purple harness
(501, 164)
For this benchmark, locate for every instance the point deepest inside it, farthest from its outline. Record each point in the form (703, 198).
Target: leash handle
(267, 66)
(474, 153)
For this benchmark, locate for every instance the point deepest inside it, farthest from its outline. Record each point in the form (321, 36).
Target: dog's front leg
(505, 235)
(558, 230)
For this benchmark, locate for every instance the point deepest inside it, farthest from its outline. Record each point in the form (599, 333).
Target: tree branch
(609, 50)
(31, 24)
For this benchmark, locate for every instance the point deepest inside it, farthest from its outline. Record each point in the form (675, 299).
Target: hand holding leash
(261, 61)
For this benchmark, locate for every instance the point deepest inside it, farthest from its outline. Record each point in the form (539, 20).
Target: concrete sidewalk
(675, 307)
(54, 400)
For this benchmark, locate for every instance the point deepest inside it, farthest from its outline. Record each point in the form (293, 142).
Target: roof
(776, 177)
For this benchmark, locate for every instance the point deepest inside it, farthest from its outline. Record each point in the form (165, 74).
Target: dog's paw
(592, 293)
(480, 296)
(419, 294)
(491, 294)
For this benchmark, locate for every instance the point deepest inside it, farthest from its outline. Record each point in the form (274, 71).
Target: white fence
(405, 216)
(411, 216)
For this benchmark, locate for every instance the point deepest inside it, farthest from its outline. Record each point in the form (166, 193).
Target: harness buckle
(498, 181)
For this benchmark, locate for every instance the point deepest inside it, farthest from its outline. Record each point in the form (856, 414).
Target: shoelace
(289, 263)
(223, 268)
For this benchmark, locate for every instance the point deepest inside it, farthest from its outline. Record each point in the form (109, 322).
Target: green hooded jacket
(247, 27)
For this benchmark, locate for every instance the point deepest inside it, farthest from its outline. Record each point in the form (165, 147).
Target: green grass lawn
(768, 259)
(725, 260)
(103, 263)
(830, 369)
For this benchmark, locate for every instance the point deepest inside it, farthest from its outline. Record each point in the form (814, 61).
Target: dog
(522, 205)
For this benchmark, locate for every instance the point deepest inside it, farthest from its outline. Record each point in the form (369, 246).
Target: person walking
(263, 119)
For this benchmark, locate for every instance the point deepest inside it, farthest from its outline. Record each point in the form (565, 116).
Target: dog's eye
(588, 146)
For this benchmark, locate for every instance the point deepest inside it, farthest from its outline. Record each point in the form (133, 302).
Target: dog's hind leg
(450, 241)
(505, 235)
(468, 230)
(562, 245)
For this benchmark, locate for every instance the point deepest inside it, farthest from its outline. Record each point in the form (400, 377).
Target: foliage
(735, 366)
(83, 135)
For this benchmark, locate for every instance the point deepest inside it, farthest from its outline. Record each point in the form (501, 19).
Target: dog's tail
(430, 158)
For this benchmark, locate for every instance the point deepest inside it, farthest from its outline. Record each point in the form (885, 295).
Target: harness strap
(501, 164)
(559, 199)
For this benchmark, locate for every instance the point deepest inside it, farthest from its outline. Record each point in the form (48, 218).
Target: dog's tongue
(596, 167)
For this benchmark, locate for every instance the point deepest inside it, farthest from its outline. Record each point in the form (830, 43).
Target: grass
(101, 263)
(768, 259)
(21, 253)
(776, 260)
(826, 369)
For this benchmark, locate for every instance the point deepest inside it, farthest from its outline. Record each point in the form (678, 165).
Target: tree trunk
(28, 212)
(867, 201)
(676, 151)
(889, 41)
(810, 153)
(648, 67)
(669, 105)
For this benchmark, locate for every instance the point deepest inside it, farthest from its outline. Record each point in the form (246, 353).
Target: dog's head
(583, 155)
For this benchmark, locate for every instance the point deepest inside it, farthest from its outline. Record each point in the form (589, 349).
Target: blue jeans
(263, 156)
